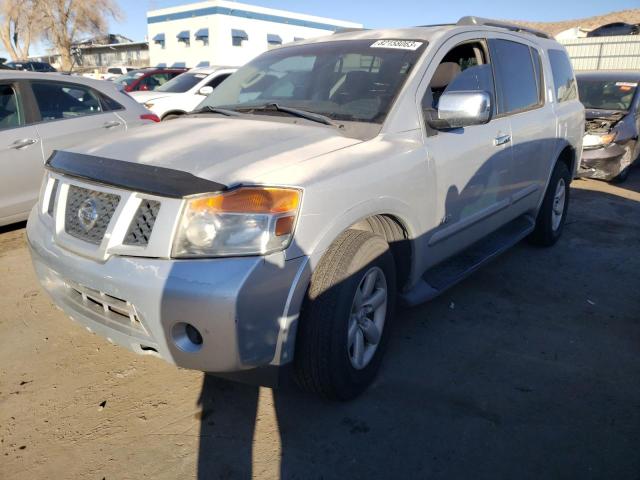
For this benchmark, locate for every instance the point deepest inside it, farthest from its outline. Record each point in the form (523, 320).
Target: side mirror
(460, 109)
(205, 91)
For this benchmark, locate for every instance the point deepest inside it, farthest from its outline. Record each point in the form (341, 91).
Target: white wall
(220, 50)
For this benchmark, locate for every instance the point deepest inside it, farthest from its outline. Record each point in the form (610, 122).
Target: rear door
(521, 100)
(71, 113)
(21, 161)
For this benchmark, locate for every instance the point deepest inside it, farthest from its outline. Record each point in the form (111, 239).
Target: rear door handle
(25, 142)
(112, 124)
(501, 140)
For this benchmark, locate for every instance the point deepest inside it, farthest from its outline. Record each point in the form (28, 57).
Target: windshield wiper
(210, 109)
(314, 117)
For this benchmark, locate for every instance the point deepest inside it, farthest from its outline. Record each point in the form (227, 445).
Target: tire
(171, 116)
(549, 225)
(326, 362)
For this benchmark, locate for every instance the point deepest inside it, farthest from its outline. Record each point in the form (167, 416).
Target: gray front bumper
(239, 305)
(602, 163)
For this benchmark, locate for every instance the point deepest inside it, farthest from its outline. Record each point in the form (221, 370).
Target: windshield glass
(606, 94)
(128, 78)
(181, 83)
(353, 80)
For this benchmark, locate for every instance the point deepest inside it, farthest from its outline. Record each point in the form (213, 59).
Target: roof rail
(488, 22)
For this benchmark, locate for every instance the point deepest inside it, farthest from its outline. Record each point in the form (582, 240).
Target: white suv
(183, 93)
(316, 186)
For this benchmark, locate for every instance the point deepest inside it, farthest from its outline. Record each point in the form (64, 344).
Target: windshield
(606, 94)
(181, 83)
(355, 80)
(128, 78)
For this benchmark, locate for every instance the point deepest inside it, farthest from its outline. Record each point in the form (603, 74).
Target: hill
(553, 28)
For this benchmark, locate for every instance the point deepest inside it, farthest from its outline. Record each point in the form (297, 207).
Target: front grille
(142, 224)
(88, 213)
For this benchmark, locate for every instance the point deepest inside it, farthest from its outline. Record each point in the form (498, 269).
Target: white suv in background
(184, 92)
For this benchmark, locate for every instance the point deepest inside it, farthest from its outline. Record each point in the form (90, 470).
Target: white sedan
(182, 93)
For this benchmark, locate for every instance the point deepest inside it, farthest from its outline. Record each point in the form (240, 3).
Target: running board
(446, 274)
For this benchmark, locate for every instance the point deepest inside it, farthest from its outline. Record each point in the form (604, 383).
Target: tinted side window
(108, 103)
(218, 80)
(563, 79)
(9, 108)
(59, 100)
(516, 83)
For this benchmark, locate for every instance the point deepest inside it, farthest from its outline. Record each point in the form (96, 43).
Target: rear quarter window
(563, 78)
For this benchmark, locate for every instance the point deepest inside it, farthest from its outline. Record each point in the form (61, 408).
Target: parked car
(41, 113)
(147, 78)
(279, 223)
(30, 66)
(612, 105)
(110, 73)
(184, 92)
(4, 66)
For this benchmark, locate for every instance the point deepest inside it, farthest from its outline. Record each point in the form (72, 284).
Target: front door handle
(501, 140)
(112, 124)
(22, 143)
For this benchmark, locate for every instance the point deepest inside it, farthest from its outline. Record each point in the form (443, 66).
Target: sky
(396, 13)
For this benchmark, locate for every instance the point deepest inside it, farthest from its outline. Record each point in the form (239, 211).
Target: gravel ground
(528, 369)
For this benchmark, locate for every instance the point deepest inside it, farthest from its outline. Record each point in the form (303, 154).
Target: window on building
(184, 37)
(563, 78)
(273, 40)
(238, 36)
(515, 76)
(159, 40)
(203, 36)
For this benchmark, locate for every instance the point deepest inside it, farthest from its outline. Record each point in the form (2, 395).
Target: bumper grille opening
(112, 309)
(88, 213)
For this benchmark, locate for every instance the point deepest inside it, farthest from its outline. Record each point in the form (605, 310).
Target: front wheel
(553, 212)
(346, 318)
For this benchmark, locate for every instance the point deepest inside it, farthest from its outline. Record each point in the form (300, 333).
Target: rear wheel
(553, 211)
(344, 325)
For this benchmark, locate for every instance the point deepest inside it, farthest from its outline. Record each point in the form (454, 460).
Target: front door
(472, 165)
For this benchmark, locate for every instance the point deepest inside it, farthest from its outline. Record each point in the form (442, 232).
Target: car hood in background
(146, 96)
(223, 149)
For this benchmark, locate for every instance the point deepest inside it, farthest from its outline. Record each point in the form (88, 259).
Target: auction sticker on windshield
(398, 44)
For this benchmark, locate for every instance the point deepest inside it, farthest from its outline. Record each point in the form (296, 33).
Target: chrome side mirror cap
(460, 109)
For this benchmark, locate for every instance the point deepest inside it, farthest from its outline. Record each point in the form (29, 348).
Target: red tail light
(150, 116)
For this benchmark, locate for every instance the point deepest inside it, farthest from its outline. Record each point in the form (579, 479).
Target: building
(220, 32)
(100, 52)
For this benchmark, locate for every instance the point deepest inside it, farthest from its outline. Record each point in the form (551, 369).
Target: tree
(65, 20)
(20, 24)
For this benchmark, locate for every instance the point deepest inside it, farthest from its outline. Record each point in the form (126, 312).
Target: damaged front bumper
(602, 163)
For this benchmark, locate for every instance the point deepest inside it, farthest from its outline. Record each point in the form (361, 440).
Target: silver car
(279, 224)
(43, 112)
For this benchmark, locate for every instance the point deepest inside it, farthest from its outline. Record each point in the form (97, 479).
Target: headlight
(244, 221)
(597, 140)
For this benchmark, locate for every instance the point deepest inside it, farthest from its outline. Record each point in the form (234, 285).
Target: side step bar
(446, 274)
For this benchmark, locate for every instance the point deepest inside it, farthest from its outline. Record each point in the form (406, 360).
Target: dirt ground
(528, 369)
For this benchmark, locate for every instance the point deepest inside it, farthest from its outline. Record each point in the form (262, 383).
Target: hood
(606, 114)
(145, 96)
(222, 149)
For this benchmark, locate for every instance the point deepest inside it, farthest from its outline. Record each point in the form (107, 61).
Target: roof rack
(487, 22)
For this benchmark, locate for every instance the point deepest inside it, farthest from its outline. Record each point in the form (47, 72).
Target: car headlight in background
(593, 140)
(244, 221)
